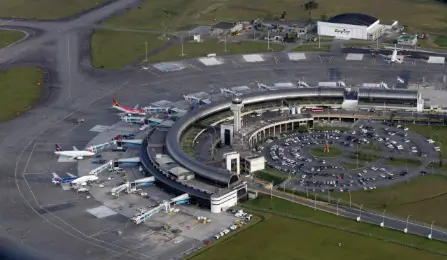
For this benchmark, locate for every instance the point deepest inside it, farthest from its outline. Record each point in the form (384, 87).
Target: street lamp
(383, 219)
(337, 205)
(315, 203)
(406, 226)
(350, 200)
(359, 218)
(431, 230)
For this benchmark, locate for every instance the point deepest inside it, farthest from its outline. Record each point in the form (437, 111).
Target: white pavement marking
(276, 59)
(354, 56)
(29, 158)
(104, 230)
(295, 56)
(153, 73)
(210, 61)
(69, 68)
(330, 59)
(236, 64)
(253, 58)
(99, 128)
(35, 173)
(194, 67)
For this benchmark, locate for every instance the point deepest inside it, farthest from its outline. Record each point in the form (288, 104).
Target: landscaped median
(8, 37)
(322, 152)
(20, 89)
(114, 49)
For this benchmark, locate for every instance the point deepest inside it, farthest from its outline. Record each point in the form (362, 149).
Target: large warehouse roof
(354, 19)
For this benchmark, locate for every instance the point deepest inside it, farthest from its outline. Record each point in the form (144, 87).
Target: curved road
(55, 222)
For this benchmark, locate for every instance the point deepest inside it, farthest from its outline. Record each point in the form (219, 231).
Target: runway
(75, 90)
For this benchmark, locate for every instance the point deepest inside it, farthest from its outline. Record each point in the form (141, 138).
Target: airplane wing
(71, 175)
(137, 106)
(56, 176)
(75, 149)
(383, 55)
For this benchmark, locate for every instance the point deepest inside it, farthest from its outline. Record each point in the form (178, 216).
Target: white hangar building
(352, 26)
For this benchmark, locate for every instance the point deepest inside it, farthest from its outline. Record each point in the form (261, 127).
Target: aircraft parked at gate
(128, 110)
(74, 154)
(394, 57)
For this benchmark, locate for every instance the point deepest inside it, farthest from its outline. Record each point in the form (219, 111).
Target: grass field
(115, 49)
(441, 41)
(195, 50)
(366, 157)
(284, 238)
(352, 166)
(313, 47)
(403, 162)
(437, 133)
(271, 175)
(320, 152)
(425, 198)
(371, 146)
(20, 88)
(427, 16)
(9, 37)
(45, 9)
(281, 238)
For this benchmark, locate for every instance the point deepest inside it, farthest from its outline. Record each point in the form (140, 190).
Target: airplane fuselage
(129, 110)
(83, 179)
(76, 154)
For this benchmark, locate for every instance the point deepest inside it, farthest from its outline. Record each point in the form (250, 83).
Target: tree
(309, 7)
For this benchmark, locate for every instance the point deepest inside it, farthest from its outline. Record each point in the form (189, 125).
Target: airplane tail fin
(115, 103)
(58, 148)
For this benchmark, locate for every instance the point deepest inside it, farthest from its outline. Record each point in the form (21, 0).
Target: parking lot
(371, 155)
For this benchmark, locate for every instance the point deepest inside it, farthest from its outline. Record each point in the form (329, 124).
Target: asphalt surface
(31, 206)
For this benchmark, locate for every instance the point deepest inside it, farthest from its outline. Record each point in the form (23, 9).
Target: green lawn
(176, 14)
(45, 9)
(115, 49)
(320, 152)
(437, 133)
(20, 88)
(441, 41)
(366, 157)
(313, 47)
(282, 238)
(195, 50)
(372, 146)
(9, 37)
(425, 198)
(272, 175)
(403, 162)
(352, 166)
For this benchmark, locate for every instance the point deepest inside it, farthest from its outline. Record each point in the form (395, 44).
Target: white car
(382, 175)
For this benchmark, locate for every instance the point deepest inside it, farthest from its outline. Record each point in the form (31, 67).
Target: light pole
(337, 205)
(307, 191)
(406, 225)
(350, 199)
(359, 218)
(225, 44)
(183, 54)
(315, 203)
(145, 47)
(329, 196)
(431, 230)
(383, 219)
(268, 39)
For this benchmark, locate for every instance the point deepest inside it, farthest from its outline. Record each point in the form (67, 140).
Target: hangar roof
(354, 19)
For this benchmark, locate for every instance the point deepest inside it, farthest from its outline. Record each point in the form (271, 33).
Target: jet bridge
(229, 93)
(264, 86)
(101, 168)
(141, 218)
(128, 161)
(133, 119)
(152, 109)
(131, 143)
(101, 147)
(200, 98)
(130, 187)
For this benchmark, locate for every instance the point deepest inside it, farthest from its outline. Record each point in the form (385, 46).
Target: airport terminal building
(352, 26)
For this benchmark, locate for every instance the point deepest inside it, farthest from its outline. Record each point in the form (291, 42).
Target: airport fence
(403, 243)
(333, 200)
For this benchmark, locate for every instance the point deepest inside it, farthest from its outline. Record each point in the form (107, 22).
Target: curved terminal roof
(379, 93)
(354, 19)
(166, 180)
(174, 135)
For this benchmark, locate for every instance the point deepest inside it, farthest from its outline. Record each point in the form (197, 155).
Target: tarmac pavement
(32, 206)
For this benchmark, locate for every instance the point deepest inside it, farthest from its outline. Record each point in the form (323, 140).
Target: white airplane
(394, 57)
(400, 80)
(74, 154)
(74, 180)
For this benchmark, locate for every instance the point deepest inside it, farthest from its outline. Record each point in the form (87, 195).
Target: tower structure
(236, 107)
